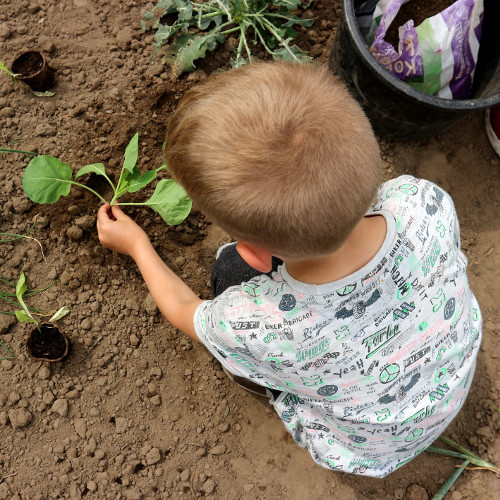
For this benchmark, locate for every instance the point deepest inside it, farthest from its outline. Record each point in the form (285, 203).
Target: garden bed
(137, 410)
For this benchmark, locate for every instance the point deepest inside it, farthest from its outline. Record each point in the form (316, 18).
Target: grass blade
(464, 454)
(6, 349)
(473, 458)
(8, 150)
(10, 282)
(448, 453)
(446, 486)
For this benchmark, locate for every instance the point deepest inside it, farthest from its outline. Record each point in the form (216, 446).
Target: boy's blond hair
(278, 155)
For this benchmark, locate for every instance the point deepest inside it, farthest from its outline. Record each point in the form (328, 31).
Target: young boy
(366, 332)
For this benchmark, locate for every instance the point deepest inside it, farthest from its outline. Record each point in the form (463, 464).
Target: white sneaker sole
(219, 250)
(494, 140)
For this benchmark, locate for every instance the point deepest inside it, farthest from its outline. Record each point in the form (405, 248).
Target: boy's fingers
(117, 212)
(102, 214)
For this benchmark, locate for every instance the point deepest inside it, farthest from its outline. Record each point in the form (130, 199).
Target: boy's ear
(254, 256)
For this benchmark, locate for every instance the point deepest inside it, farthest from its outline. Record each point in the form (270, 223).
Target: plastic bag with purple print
(438, 57)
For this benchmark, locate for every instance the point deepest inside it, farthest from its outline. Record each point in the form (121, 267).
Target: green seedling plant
(15, 292)
(14, 78)
(200, 26)
(8, 72)
(18, 296)
(468, 458)
(46, 179)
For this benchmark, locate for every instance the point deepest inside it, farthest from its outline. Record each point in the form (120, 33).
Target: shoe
(492, 119)
(221, 248)
(248, 385)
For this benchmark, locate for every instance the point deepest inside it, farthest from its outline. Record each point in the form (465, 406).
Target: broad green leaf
(96, 168)
(23, 316)
(288, 4)
(142, 181)
(21, 288)
(195, 48)
(180, 42)
(166, 5)
(60, 313)
(131, 153)
(297, 20)
(46, 93)
(203, 24)
(46, 179)
(8, 71)
(238, 61)
(164, 32)
(291, 53)
(170, 201)
(185, 9)
(127, 177)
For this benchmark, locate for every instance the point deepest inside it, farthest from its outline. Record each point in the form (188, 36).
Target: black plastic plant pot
(31, 68)
(48, 343)
(398, 110)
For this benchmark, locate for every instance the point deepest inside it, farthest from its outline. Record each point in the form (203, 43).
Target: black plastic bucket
(395, 108)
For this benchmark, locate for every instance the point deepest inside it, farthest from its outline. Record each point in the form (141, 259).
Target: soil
(28, 64)
(137, 411)
(47, 343)
(416, 10)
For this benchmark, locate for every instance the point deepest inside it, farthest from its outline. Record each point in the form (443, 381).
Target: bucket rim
(397, 84)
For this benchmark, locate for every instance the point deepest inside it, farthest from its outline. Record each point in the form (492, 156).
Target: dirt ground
(137, 411)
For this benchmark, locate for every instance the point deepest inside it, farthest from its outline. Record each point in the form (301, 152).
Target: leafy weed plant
(46, 179)
(191, 28)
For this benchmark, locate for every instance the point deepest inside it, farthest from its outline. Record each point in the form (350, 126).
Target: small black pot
(32, 68)
(48, 343)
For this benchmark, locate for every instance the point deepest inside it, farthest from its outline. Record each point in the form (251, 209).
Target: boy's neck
(360, 247)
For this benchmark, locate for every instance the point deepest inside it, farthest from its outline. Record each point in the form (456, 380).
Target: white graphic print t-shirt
(374, 366)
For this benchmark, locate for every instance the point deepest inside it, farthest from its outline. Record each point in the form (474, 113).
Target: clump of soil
(48, 343)
(418, 11)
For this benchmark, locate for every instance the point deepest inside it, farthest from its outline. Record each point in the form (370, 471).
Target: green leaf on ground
(142, 181)
(46, 179)
(195, 47)
(131, 153)
(96, 168)
(170, 201)
(291, 53)
(60, 313)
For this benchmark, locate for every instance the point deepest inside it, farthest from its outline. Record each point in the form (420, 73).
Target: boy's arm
(173, 297)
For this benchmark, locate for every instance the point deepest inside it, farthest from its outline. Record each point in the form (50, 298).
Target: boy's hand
(119, 232)
(173, 297)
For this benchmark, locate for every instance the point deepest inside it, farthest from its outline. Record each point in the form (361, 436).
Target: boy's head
(277, 154)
